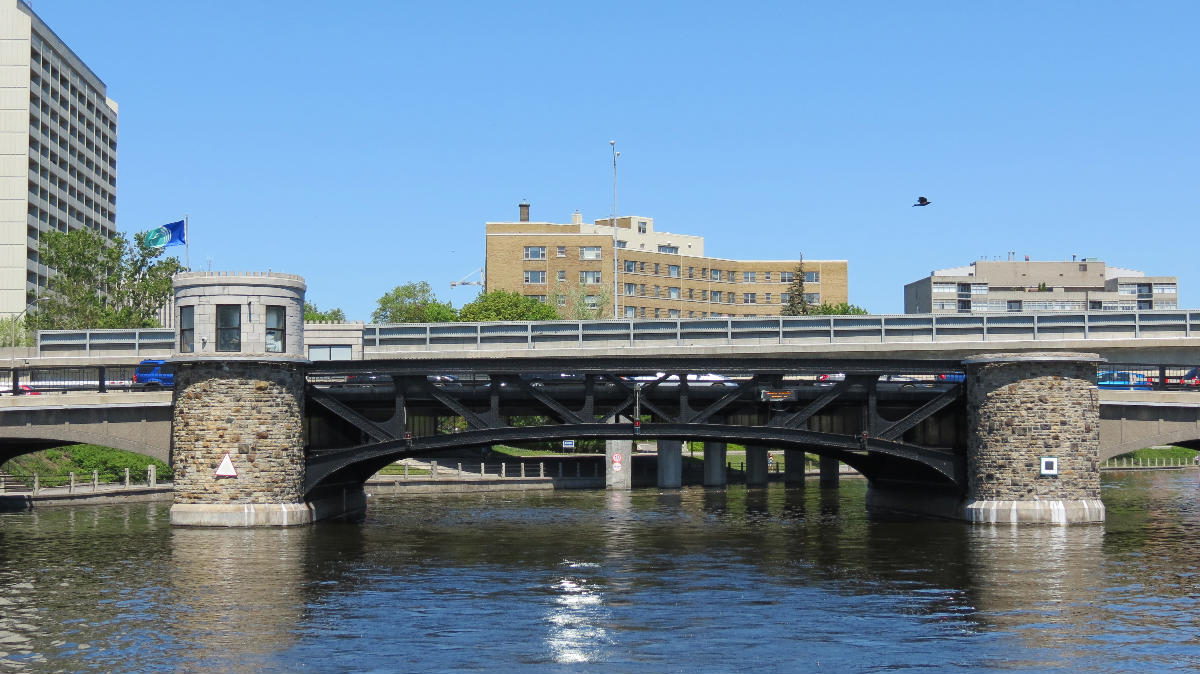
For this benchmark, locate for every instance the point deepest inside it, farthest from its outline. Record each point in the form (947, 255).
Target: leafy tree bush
(312, 314)
(100, 282)
(413, 302)
(504, 305)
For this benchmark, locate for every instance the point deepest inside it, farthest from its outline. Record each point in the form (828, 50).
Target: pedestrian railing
(71, 482)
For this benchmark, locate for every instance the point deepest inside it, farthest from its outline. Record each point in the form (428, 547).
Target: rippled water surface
(697, 581)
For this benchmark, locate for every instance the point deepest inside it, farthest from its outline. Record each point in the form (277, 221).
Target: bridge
(927, 445)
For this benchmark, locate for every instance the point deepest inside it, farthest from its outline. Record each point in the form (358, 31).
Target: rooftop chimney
(576, 218)
(524, 206)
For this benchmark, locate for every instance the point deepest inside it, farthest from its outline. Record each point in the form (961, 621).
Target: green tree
(101, 283)
(841, 308)
(584, 302)
(504, 305)
(413, 302)
(13, 332)
(314, 315)
(797, 304)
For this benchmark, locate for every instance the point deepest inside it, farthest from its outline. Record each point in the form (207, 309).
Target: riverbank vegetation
(54, 466)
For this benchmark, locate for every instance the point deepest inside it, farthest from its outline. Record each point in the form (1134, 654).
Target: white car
(707, 379)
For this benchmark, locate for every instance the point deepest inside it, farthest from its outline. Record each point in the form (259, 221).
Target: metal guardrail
(796, 330)
(907, 328)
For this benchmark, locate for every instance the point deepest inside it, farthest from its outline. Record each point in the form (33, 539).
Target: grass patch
(54, 466)
(398, 469)
(1160, 453)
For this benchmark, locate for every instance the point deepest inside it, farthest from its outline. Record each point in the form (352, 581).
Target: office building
(58, 150)
(1016, 286)
(658, 274)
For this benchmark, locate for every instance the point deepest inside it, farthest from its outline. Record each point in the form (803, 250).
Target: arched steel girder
(358, 463)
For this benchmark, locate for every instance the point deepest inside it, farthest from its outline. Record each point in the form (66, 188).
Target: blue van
(153, 375)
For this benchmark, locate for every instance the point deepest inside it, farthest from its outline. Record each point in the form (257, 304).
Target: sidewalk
(23, 499)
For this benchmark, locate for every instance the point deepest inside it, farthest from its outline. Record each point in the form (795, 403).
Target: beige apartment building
(657, 274)
(1021, 286)
(58, 150)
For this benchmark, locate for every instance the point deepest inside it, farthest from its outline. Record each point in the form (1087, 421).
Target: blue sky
(363, 145)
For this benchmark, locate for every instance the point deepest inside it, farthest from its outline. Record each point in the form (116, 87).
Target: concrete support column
(1033, 438)
(618, 464)
(670, 464)
(793, 466)
(714, 464)
(756, 466)
(830, 471)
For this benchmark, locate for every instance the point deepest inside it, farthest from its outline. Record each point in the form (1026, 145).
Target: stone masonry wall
(252, 410)
(1022, 411)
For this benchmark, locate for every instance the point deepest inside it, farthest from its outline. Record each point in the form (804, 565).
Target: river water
(776, 580)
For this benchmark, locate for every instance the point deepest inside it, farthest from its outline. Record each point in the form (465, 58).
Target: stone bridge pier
(1033, 445)
(1034, 438)
(237, 436)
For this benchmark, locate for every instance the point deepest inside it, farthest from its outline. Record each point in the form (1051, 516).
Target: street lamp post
(613, 222)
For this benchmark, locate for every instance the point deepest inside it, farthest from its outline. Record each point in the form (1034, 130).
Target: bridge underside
(909, 434)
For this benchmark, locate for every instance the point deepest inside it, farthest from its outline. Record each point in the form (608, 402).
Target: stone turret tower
(237, 438)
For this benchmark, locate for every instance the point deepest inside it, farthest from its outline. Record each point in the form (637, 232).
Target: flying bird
(922, 201)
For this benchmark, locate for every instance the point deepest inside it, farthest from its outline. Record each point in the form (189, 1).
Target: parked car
(153, 375)
(1123, 380)
(26, 389)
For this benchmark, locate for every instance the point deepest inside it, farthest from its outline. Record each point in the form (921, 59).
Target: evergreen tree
(797, 304)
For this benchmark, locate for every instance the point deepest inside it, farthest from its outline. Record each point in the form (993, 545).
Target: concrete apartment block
(1022, 286)
(58, 150)
(658, 274)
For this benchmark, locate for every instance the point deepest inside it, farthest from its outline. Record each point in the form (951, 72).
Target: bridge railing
(795, 330)
(39, 380)
(799, 330)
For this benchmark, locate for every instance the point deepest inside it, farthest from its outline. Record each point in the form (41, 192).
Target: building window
(187, 329)
(641, 226)
(812, 277)
(642, 266)
(532, 276)
(1014, 305)
(812, 298)
(630, 312)
(229, 327)
(1127, 288)
(715, 295)
(535, 252)
(589, 252)
(671, 250)
(767, 300)
(784, 297)
(642, 312)
(630, 288)
(716, 274)
(560, 300)
(673, 293)
(1164, 289)
(621, 243)
(749, 298)
(786, 277)
(561, 275)
(330, 352)
(630, 266)
(655, 267)
(656, 291)
(673, 271)
(703, 295)
(979, 288)
(749, 277)
(561, 252)
(767, 276)
(945, 287)
(276, 329)
(592, 301)
(690, 295)
(590, 277)
(672, 313)
(691, 272)
(537, 298)
(657, 312)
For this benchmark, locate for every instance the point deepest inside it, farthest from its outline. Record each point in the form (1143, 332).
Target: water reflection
(238, 595)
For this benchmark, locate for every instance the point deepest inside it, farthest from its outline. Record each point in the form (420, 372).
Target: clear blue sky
(364, 144)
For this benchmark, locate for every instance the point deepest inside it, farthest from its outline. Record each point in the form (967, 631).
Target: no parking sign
(617, 458)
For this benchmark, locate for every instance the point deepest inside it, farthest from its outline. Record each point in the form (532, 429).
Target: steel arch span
(876, 458)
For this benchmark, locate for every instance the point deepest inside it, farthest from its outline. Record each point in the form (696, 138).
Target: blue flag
(170, 234)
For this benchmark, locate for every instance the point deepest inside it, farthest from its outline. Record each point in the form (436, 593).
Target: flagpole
(187, 244)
